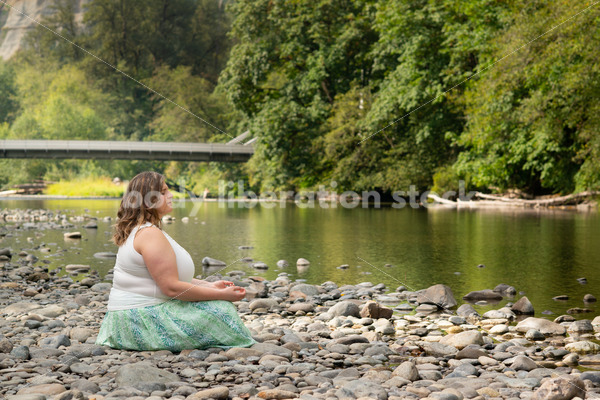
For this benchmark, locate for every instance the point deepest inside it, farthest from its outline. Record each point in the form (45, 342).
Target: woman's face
(165, 204)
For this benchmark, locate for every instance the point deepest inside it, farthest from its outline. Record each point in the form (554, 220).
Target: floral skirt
(175, 325)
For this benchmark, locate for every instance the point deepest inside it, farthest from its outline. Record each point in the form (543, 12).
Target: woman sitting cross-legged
(155, 304)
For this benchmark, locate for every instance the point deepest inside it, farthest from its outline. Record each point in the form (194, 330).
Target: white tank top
(133, 286)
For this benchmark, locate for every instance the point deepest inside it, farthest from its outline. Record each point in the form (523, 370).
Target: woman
(155, 304)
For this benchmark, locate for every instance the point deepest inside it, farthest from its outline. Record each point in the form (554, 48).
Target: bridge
(124, 150)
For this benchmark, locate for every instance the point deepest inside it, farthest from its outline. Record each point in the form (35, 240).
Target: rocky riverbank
(327, 341)
(315, 342)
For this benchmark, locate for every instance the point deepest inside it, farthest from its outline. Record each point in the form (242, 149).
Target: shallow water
(540, 253)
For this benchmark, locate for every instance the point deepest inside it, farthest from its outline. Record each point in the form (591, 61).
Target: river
(540, 253)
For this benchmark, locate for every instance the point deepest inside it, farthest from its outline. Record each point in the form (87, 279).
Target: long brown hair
(138, 205)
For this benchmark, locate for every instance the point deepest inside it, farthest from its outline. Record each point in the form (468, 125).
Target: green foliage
(531, 118)
(8, 97)
(375, 95)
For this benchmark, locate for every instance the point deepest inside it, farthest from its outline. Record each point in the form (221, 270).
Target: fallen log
(496, 200)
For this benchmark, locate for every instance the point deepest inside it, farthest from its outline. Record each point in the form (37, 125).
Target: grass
(92, 187)
(87, 187)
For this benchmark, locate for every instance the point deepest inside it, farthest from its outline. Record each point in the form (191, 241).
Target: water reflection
(541, 254)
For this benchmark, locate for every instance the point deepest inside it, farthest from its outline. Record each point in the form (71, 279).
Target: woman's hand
(222, 284)
(233, 293)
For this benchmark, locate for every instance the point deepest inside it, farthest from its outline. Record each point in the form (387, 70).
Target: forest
(371, 95)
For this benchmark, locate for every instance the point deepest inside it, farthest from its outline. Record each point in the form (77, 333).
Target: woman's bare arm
(161, 262)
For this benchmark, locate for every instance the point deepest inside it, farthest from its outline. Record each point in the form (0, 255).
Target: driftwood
(500, 201)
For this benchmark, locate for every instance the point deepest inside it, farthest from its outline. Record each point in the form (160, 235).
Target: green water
(540, 253)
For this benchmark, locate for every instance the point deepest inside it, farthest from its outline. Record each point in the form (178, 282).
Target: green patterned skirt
(175, 325)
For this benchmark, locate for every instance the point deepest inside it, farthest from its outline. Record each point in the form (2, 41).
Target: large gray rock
(583, 347)
(407, 370)
(141, 373)
(439, 295)
(211, 262)
(523, 363)
(564, 387)
(523, 306)
(505, 290)
(51, 311)
(466, 310)
(437, 349)
(361, 388)
(262, 303)
(309, 290)
(485, 294)
(463, 339)
(373, 310)
(218, 392)
(345, 309)
(54, 342)
(581, 326)
(20, 308)
(543, 325)
(268, 348)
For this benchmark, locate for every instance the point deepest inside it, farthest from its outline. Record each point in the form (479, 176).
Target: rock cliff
(17, 18)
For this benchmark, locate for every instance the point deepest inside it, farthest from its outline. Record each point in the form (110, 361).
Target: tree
(533, 118)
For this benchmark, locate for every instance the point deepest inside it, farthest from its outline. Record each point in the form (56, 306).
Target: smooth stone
(499, 329)
(437, 349)
(20, 308)
(218, 392)
(309, 290)
(268, 348)
(101, 287)
(345, 309)
(463, 339)
(466, 310)
(373, 310)
(523, 306)
(81, 334)
(77, 268)
(305, 307)
(534, 334)
(211, 262)
(105, 254)
(485, 294)
(143, 372)
(237, 353)
(543, 325)
(51, 311)
(283, 264)
(589, 298)
(356, 389)
(439, 295)
(407, 370)
(583, 347)
(560, 388)
(523, 363)
(276, 394)
(72, 235)
(54, 342)
(21, 352)
(505, 289)
(259, 265)
(470, 352)
(262, 303)
(50, 389)
(581, 326)
(302, 262)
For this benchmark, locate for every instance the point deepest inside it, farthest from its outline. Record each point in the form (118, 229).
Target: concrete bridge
(124, 150)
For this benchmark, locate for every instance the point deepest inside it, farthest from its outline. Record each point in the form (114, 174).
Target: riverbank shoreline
(322, 341)
(478, 205)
